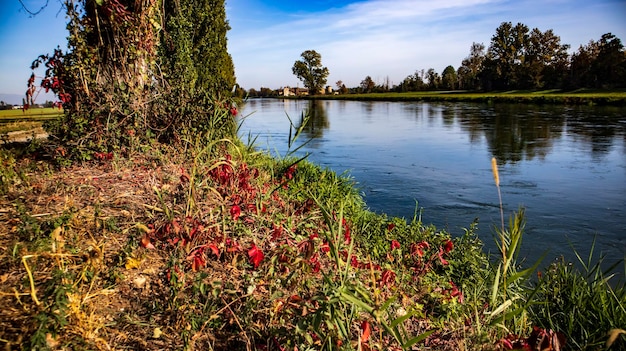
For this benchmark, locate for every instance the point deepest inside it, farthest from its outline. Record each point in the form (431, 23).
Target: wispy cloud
(393, 38)
(377, 38)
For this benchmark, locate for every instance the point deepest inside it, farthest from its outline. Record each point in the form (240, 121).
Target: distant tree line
(517, 58)
(8, 106)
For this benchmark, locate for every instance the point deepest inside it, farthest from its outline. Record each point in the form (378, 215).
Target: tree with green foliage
(505, 54)
(413, 82)
(610, 63)
(434, 79)
(544, 61)
(140, 70)
(196, 64)
(599, 64)
(310, 71)
(449, 78)
(471, 67)
(367, 85)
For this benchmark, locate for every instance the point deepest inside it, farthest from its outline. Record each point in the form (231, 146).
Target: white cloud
(393, 38)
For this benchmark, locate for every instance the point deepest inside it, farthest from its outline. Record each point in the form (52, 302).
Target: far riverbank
(575, 97)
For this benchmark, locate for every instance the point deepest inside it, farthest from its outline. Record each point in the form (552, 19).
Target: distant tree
(610, 63)
(310, 71)
(599, 64)
(449, 78)
(505, 54)
(367, 85)
(434, 80)
(472, 65)
(386, 85)
(544, 62)
(267, 92)
(253, 92)
(338, 84)
(413, 82)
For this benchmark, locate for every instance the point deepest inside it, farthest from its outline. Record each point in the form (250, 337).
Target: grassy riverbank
(576, 97)
(21, 126)
(31, 114)
(221, 247)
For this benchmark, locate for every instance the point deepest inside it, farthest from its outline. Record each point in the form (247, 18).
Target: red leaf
(256, 256)
(388, 277)
(346, 235)
(367, 330)
(235, 212)
(215, 250)
(145, 242)
(455, 292)
(198, 262)
(395, 245)
(443, 260)
(448, 246)
(390, 226)
(417, 249)
(354, 262)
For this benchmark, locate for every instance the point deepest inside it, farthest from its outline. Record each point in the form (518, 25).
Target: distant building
(287, 91)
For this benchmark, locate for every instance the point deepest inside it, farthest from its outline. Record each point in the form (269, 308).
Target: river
(566, 165)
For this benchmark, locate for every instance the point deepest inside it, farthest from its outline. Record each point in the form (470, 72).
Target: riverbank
(576, 97)
(221, 247)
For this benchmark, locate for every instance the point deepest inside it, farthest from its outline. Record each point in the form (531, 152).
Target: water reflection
(317, 119)
(515, 133)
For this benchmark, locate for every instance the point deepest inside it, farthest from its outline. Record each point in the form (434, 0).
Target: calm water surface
(565, 164)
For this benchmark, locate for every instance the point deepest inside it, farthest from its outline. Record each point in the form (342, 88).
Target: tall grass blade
(417, 339)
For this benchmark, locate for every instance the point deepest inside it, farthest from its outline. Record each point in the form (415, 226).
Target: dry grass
(77, 270)
(83, 273)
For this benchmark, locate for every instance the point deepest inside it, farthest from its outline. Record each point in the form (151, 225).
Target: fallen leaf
(132, 263)
(367, 330)
(145, 242)
(157, 333)
(256, 256)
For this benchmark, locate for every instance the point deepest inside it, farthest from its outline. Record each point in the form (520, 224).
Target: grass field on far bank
(30, 114)
(574, 97)
(14, 121)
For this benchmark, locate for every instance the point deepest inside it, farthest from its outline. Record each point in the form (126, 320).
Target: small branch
(31, 12)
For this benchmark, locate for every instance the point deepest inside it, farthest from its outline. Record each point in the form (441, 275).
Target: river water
(566, 165)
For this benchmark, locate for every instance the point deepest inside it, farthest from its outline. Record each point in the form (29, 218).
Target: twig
(33, 292)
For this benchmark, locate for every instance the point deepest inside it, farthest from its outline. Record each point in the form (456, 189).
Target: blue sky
(385, 39)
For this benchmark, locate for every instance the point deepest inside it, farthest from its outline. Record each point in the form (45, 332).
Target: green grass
(30, 114)
(575, 97)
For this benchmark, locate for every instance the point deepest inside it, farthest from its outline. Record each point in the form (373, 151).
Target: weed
(586, 305)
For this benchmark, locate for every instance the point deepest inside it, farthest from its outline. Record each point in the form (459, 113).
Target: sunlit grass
(18, 126)
(553, 96)
(32, 114)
